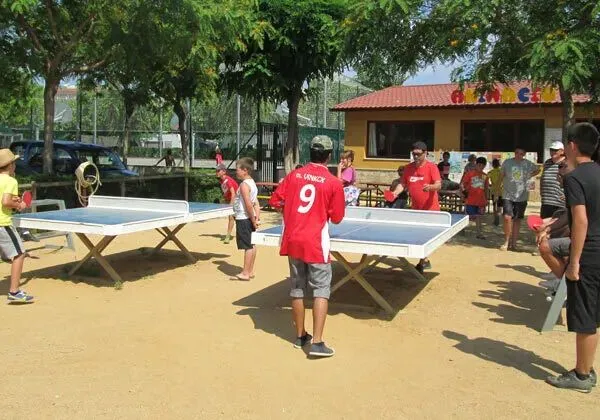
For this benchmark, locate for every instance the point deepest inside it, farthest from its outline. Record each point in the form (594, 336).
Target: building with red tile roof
(381, 126)
(451, 96)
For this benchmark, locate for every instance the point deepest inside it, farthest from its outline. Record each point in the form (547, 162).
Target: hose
(86, 185)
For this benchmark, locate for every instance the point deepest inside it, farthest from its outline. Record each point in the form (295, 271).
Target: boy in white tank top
(247, 213)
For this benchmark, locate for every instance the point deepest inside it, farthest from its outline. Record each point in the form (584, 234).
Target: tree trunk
(568, 111)
(129, 110)
(292, 149)
(50, 89)
(179, 110)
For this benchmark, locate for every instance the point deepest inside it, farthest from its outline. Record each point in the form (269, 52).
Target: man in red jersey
(422, 180)
(229, 188)
(311, 197)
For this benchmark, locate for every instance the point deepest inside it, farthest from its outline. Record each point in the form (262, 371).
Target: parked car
(68, 155)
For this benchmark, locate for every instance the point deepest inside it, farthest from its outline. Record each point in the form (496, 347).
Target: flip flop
(241, 278)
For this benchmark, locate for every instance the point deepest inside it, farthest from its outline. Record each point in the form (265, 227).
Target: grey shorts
(314, 276)
(560, 247)
(11, 245)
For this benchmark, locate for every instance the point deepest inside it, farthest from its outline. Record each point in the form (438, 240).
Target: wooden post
(123, 189)
(186, 187)
(34, 190)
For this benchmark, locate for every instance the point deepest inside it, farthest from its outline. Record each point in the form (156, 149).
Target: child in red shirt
(229, 188)
(475, 184)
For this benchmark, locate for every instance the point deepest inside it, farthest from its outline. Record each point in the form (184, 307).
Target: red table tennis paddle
(534, 222)
(389, 196)
(27, 198)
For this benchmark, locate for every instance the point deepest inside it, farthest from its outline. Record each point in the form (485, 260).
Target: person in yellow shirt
(495, 177)
(11, 246)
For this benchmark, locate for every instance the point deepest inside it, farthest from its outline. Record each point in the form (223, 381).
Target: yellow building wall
(447, 126)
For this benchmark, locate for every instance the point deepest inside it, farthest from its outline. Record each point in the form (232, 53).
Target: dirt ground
(183, 340)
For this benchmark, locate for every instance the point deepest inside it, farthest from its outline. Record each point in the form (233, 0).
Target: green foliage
(384, 44)
(295, 41)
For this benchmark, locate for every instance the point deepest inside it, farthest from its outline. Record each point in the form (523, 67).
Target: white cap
(557, 145)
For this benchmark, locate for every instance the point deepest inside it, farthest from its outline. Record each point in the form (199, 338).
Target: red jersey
(227, 183)
(475, 183)
(415, 178)
(310, 197)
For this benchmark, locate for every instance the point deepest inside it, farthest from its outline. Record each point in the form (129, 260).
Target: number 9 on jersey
(307, 197)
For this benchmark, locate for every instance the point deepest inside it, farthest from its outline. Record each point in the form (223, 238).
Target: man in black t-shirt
(582, 192)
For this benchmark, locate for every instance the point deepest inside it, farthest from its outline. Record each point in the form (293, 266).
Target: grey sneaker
(321, 350)
(19, 296)
(593, 377)
(569, 380)
(302, 341)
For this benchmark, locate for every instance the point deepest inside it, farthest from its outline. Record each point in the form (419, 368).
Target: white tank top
(238, 205)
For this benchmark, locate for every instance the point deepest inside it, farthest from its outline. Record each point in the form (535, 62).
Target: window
(503, 136)
(394, 139)
(18, 149)
(103, 159)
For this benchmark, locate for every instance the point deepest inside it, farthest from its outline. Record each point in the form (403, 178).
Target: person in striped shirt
(553, 196)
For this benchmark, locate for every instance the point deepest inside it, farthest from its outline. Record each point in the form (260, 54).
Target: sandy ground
(185, 341)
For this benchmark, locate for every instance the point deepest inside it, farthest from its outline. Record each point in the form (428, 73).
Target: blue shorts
(474, 210)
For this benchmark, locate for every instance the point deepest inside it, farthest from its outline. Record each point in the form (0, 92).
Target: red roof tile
(441, 96)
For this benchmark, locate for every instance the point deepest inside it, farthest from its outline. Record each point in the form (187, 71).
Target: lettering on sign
(508, 95)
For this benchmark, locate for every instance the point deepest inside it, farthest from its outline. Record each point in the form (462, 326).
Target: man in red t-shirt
(311, 197)
(422, 180)
(229, 188)
(475, 183)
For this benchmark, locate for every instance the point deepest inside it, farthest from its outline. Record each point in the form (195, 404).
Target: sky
(430, 75)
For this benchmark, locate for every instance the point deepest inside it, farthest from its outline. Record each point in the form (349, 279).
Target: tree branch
(53, 23)
(31, 33)
(79, 34)
(88, 67)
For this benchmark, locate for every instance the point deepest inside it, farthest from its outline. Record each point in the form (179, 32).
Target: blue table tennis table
(114, 216)
(379, 233)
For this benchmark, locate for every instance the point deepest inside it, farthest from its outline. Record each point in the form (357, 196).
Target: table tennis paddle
(534, 222)
(27, 198)
(389, 196)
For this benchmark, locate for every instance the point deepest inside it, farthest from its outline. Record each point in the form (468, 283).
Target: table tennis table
(114, 216)
(380, 233)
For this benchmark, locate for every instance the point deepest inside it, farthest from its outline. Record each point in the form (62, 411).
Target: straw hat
(7, 157)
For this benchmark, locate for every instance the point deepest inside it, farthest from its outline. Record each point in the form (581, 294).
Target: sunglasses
(417, 154)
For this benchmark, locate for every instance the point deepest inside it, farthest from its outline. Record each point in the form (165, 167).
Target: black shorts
(547, 210)
(514, 209)
(243, 234)
(583, 301)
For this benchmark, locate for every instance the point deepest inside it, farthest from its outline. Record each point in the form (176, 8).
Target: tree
(127, 72)
(184, 41)
(554, 42)
(303, 40)
(55, 40)
(384, 43)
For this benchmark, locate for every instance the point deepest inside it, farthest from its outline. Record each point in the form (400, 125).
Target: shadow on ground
(494, 237)
(131, 265)
(522, 303)
(227, 268)
(526, 269)
(505, 354)
(270, 311)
